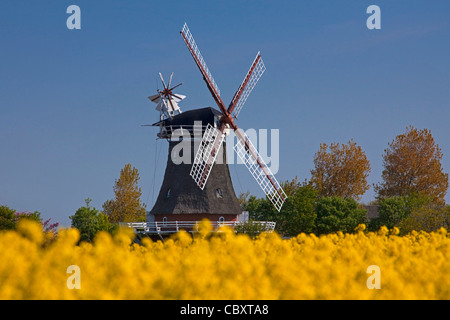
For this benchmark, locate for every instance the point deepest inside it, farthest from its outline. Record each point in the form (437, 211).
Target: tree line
(409, 197)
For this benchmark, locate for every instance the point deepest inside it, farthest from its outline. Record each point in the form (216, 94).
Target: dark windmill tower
(200, 186)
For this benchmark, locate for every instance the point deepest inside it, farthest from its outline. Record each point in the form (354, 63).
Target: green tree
(7, 218)
(89, 221)
(297, 214)
(338, 214)
(127, 206)
(391, 211)
(10, 217)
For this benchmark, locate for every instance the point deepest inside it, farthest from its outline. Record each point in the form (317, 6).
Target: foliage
(412, 164)
(225, 266)
(243, 198)
(428, 218)
(391, 211)
(305, 212)
(126, 206)
(297, 214)
(260, 209)
(7, 218)
(251, 228)
(340, 170)
(34, 216)
(338, 214)
(89, 221)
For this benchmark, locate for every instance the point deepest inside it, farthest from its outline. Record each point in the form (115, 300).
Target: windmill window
(164, 221)
(219, 193)
(221, 220)
(168, 194)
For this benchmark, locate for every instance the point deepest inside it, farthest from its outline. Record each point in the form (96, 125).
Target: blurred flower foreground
(224, 265)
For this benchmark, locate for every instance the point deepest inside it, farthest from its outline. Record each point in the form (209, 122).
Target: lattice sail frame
(206, 156)
(213, 138)
(251, 83)
(260, 171)
(190, 39)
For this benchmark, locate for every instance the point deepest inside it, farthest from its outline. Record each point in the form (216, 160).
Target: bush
(7, 218)
(412, 212)
(391, 211)
(426, 218)
(297, 214)
(89, 221)
(338, 214)
(251, 228)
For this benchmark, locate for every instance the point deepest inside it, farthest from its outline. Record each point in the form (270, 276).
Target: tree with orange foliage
(412, 166)
(341, 170)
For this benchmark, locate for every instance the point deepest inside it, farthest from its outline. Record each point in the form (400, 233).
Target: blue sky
(72, 101)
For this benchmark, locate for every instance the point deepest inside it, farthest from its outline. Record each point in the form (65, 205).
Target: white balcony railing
(191, 226)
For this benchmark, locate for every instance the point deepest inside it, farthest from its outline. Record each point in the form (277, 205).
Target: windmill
(166, 101)
(213, 137)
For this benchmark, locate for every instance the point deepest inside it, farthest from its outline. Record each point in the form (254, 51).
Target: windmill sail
(195, 52)
(251, 79)
(206, 155)
(213, 138)
(259, 170)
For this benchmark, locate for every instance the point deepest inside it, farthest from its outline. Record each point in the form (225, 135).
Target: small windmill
(166, 101)
(214, 136)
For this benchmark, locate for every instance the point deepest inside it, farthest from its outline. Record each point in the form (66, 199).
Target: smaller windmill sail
(166, 101)
(206, 155)
(259, 170)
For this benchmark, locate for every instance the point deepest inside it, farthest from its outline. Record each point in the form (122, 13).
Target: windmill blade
(177, 97)
(155, 98)
(170, 80)
(251, 79)
(195, 52)
(164, 84)
(176, 86)
(161, 106)
(206, 155)
(259, 170)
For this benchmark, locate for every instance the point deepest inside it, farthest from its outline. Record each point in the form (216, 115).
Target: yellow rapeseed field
(224, 266)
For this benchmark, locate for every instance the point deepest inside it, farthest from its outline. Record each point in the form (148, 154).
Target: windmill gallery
(202, 188)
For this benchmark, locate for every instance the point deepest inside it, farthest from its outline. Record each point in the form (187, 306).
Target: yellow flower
(224, 265)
